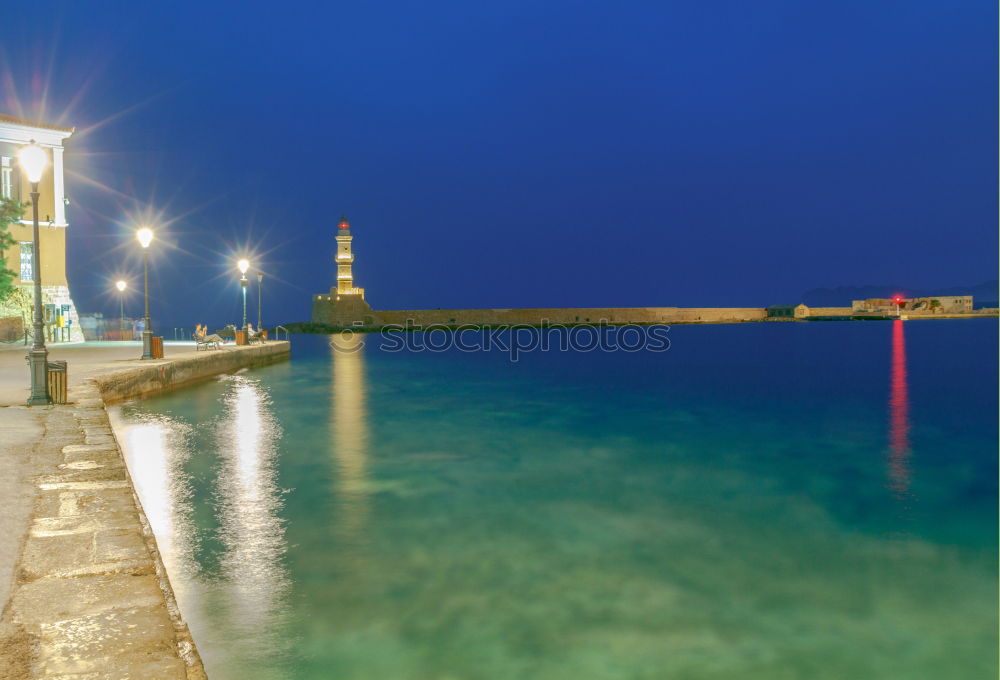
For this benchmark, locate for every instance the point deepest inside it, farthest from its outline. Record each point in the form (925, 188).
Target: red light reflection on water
(899, 416)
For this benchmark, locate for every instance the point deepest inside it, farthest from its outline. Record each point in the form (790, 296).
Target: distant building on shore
(798, 311)
(59, 312)
(96, 327)
(943, 304)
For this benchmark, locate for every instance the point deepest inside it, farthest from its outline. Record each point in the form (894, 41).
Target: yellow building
(61, 320)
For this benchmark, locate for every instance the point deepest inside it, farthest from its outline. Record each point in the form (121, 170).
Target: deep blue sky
(519, 153)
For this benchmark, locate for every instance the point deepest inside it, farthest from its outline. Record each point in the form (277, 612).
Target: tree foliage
(10, 212)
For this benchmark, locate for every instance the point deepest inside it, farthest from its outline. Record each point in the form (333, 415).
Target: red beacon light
(898, 301)
(344, 224)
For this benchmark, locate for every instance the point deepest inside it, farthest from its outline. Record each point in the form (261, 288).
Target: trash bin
(55, 374)
(241, 337)
(156, 346)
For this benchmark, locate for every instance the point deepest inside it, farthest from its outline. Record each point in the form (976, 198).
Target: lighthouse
(345, 260)
(345, 304)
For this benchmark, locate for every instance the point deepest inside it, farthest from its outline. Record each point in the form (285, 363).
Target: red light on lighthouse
(344, 224)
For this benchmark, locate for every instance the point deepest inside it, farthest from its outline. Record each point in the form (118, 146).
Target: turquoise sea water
(788, 500)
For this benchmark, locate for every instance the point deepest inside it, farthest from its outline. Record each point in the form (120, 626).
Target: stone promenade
(86, 596)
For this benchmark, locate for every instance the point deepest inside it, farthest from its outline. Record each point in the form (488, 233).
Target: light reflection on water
(899, 416)
(350, 440)
(253, 578)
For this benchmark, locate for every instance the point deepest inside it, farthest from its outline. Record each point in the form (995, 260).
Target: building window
(26, 251)
(6, 178)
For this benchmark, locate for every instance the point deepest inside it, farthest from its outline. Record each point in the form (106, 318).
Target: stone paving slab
(116, 638)
(90, 595)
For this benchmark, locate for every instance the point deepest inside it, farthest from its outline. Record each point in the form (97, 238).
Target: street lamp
(244, 265)
(260, 283)
(145, 236)
(33, 160)
(121, 298)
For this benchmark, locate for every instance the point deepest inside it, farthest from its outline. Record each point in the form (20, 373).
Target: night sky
(515, 154)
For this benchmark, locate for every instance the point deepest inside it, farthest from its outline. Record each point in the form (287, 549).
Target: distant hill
(982, 294)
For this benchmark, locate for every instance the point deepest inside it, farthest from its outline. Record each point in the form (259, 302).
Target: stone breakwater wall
(91, 597)
(331, 313)
(829, 311)
(353, 311)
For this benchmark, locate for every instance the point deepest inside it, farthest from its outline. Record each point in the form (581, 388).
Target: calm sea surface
(786, 500)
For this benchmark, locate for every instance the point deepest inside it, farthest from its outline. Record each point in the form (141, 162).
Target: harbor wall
(160, 376)
(535, 316)
(829, 311)
(347, 313)
(352, 310)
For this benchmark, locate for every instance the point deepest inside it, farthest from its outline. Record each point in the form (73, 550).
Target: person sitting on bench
(201, 337)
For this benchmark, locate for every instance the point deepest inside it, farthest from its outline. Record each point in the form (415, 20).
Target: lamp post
(121, 298)
(33, 160)
(244, 265)
(260, 284)
(145, 236)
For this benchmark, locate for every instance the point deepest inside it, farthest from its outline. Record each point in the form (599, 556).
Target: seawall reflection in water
(349, 430)
(155, 453)
(899, 417)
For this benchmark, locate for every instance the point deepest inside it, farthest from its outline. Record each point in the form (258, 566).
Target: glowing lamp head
(244, 265)
(344, 224)
(32, 160)
(145, 236)
(120, 286)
